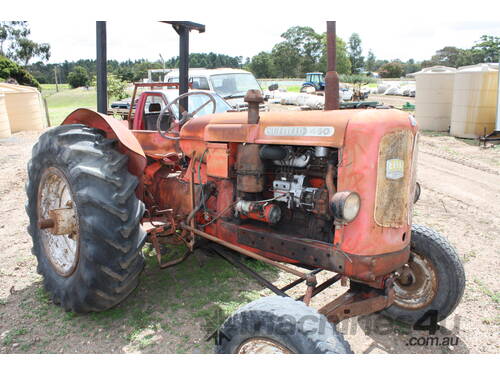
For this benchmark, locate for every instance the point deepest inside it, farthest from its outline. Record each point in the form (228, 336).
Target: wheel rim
(260, 345)
(61, 249)
(416, 287)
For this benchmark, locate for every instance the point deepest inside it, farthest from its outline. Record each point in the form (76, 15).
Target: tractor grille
(394, 175)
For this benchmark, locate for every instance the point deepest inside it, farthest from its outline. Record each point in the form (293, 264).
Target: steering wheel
(185, 116)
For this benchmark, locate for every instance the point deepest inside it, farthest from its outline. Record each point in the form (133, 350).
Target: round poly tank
(24, 107)
(434, 96)
(474, 100)
(4, 119)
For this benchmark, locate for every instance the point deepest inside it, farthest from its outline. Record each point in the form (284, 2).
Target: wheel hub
(416, 287)
(262, 346)
(58, 221)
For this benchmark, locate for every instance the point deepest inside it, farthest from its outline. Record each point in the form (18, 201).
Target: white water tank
(24, 106)
(474, 100)
(4, 119)
(433, 99)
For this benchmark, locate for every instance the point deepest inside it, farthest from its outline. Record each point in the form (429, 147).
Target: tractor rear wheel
(279, 325)
(84, 219)
(432, 281)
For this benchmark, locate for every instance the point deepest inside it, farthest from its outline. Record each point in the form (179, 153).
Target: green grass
(64, 102)
(202, 291)
(61, 104)
(468, 256)
(495, 296)
(12, 335)
(49, 89)
(293, 88)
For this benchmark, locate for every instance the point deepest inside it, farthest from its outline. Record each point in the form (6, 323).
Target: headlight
(345, 205)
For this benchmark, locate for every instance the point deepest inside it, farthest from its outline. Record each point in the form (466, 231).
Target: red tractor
(303, 191)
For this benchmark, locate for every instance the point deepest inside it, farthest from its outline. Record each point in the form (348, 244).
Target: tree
(117, 88)
(451, 56)
(370, 61)
(262, 65)
(16, 45)
(308, 45)
(286, 59)
(411, 66)
(26, 50)
(343, 61)
(391, 70)
(9, 31)
(378, 64)
(487, 49)
(9, 69)
(355, 53)
(78, 77)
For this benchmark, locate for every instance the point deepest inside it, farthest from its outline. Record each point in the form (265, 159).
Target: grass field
(293, 88)
(62, 103)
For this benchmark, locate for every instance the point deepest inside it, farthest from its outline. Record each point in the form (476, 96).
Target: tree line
(301, 50)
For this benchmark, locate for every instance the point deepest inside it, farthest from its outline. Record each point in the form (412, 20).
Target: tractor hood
(308, 128)
(311, 128)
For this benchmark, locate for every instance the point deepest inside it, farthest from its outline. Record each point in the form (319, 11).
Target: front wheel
(432, 280)
(279, 325)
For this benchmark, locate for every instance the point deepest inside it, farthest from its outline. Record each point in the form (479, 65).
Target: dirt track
(460, 198)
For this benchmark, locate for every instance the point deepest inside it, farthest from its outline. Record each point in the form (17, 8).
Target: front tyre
(279, 325)
(84, 219)
(433, 279)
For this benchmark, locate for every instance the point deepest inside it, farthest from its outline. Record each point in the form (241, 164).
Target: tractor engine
(288, 188)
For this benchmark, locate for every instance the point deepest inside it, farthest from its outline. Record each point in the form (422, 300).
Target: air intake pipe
(254, 99)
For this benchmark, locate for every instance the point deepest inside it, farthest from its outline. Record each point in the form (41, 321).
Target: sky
(391, 29)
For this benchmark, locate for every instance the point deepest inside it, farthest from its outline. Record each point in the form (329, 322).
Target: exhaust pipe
(332, 78)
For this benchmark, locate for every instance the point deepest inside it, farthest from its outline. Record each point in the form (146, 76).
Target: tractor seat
(151, 118)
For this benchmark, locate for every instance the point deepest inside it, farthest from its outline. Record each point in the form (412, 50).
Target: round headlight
(345, 205)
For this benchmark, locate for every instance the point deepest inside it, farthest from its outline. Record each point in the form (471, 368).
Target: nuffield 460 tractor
(302, 191)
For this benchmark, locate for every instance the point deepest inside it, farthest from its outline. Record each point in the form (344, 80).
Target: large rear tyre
(84, 219)
(279, 325)
(432, 282)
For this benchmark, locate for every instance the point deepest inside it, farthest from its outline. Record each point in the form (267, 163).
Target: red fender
(114, 129)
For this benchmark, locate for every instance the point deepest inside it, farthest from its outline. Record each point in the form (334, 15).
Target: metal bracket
(358, 301)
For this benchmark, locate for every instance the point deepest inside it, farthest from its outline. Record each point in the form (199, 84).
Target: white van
(231, 84)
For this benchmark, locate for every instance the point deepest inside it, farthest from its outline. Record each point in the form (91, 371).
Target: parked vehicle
(230, 84)
(315, 81)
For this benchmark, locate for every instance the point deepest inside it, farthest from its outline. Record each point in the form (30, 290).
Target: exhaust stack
(332, 78)
(254, 99)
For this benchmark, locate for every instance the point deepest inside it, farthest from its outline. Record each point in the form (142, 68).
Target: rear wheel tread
(110, 234)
